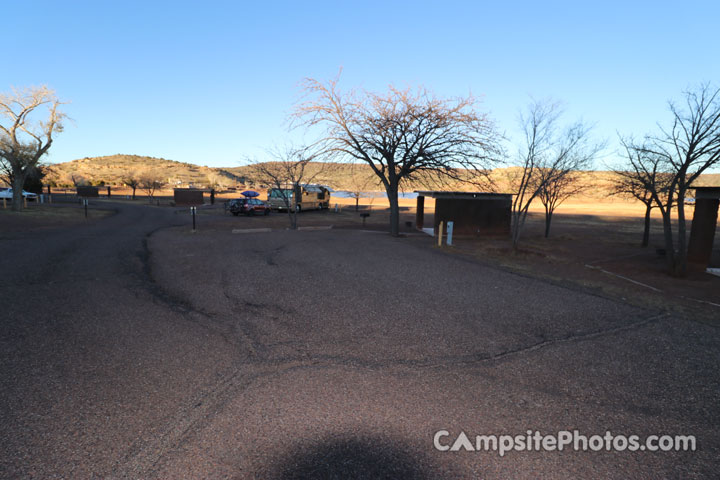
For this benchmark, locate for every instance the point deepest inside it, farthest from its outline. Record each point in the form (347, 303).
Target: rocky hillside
(117, 169)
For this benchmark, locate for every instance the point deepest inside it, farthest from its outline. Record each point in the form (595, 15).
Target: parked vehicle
(300, 197)
(7, 193)
(248, 206)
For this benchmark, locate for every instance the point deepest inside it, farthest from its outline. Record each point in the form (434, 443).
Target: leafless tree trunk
(402, 133)
(638, 182)
(682, 151)
(132, 182)
(360, 183)
(646, 225)
(23, 139)
(555, 191)
(550, 160)
(150, 182)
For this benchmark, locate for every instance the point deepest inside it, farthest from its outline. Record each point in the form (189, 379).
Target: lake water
(344, 194)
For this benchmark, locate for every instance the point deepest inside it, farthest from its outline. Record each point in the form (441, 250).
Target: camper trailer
(300, 197)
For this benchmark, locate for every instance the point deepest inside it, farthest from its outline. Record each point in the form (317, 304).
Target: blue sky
(212, 82)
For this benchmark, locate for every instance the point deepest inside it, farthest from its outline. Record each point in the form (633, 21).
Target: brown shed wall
(474, 216)
(702, 233)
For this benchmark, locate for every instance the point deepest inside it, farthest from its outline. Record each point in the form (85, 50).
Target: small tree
(682, 151)
(151, 182)
(549, 161)
(638, 182)
(401, 134)
(24, 139)
(555, 189)
(79, 180)
(285, 173)
(360, 182)
(560, 179)
(216, 180)
(132, 181)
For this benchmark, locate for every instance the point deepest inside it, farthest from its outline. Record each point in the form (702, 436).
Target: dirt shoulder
(38, 218)
(603, 253)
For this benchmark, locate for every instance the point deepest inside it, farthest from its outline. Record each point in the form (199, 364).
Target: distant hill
(114, 169)
(709, 180)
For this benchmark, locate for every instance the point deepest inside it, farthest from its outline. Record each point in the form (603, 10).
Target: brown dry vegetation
(114, 169)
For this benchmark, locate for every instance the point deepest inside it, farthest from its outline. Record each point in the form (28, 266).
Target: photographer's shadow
(355, 458)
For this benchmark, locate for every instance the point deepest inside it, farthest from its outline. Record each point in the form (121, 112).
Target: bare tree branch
(23, 139)
(402, 134)
(682, 153)
(549, 161)
(287, 172)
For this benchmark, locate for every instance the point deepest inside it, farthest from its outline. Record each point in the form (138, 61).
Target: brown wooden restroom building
(472, 213)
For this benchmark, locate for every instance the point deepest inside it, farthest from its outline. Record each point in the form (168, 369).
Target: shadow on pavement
(355, 458)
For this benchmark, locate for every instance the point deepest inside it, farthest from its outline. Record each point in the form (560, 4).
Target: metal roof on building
(707, 192)
(464, 195)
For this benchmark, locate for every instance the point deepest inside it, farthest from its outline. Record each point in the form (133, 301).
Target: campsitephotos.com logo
(562, 440)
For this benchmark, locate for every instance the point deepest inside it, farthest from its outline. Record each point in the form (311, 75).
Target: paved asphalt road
(132, 350)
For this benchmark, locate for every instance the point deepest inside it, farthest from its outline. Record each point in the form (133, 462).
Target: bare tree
(560, 179)
(555, 189)
(637, 179)
(151, 181)
(684, 150)
(216, 180)
(24, 139)
(288, 170)
(538, 127)
(360, 181)
(401, 133)
(69, 179)
(550, 159)
(79, 180)
(132, 181)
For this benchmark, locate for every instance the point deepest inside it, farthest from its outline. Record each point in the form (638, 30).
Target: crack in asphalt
(147, 460)
(147, 457)
(174, 302)
(453, 361)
